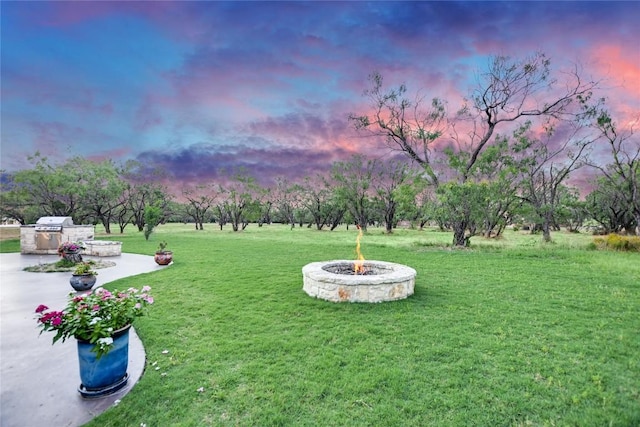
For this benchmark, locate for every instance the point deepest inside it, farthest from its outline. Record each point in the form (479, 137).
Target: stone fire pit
(335, 281)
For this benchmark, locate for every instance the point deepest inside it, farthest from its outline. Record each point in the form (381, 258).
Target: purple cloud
(196, 87)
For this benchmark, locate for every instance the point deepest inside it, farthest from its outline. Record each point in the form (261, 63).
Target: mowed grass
(508, 333)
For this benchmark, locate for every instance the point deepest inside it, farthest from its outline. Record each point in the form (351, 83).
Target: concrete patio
(39, 381)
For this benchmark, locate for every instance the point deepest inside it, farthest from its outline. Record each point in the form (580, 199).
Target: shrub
(618, 243)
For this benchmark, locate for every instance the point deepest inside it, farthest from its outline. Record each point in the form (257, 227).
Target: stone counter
(72, 233)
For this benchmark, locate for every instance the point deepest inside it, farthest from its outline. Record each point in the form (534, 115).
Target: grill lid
(53, 223)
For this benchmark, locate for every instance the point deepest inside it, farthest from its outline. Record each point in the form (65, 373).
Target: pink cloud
(621, 67)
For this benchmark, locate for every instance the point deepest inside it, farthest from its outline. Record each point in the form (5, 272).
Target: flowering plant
(70, 247)
(95, 316)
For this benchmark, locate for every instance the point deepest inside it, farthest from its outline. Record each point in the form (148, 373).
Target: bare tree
(508, 92)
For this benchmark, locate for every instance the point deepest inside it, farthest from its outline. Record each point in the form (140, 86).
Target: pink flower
(96, 307)
(51, 317)
(146, 288)
(41, 308)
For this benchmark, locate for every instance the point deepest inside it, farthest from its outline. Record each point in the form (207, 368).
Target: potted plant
(100, 322)
(83, 277)
(71, 251)
(163, 256)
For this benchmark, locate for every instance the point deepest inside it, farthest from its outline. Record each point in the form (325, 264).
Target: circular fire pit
(381, 281)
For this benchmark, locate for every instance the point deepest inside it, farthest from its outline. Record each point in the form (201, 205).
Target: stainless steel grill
(49, 231)
(53, 223)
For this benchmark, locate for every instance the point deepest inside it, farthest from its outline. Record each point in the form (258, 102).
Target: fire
(358, 265)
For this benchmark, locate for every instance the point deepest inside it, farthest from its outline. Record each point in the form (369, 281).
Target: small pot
(82, 282)
(163, 258)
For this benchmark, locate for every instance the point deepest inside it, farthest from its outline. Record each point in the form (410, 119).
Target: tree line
(502, 158)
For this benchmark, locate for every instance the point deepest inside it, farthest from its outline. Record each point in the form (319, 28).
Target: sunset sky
(194, 87)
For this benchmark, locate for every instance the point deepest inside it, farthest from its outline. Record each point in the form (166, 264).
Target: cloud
(219, 85)
(203, 163)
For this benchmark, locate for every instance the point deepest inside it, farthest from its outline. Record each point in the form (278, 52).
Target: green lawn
(508, 333)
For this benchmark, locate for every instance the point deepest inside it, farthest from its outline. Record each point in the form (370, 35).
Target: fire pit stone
(384, 281)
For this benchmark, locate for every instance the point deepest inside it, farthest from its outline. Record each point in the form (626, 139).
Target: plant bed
(60, 266)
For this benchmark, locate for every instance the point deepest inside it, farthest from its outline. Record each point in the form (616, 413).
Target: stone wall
(102, 248)
(70, 233)
(389, 282)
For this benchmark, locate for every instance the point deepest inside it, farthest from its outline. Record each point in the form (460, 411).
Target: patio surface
(39, 381)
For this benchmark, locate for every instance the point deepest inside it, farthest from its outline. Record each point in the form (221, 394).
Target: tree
(152, 217)
(199, 200)
(263, 202)
(508, 92)
(623, 174)
(391, 182)
(606, 205)
(237, 201)
(318, 198)
(286, 197)
(546, 167)
(353, 180)
(463, 205)
(53, 189)
(85, 190)
(145, 188)
(15, 201)
(100, 188)
(572, 212)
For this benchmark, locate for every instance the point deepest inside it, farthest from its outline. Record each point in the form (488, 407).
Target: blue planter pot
(107, 374)
(82, 282)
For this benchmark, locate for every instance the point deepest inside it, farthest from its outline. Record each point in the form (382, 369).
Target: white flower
(105, 341)
(200, 390)
(165, 351)
(95, 320)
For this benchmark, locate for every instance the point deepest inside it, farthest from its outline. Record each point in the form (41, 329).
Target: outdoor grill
(49, 231)
(45, 236)
(53, 223)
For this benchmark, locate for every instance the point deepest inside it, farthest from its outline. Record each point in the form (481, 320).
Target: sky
(200, 87)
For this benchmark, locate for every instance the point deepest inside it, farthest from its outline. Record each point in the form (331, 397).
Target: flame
(358, 265)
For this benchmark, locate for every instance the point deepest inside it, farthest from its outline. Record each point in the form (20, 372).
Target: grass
(508, 333)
